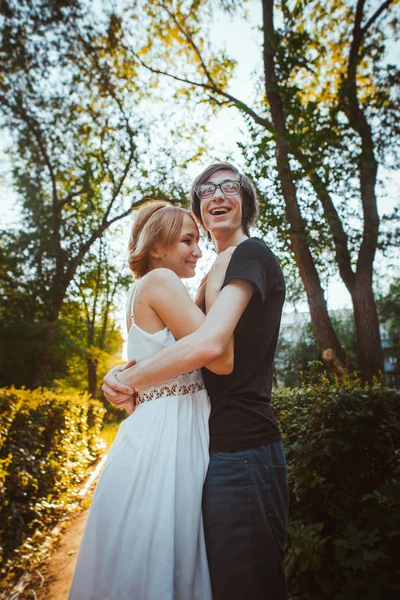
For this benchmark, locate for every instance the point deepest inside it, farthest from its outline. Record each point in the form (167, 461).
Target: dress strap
(135, 290)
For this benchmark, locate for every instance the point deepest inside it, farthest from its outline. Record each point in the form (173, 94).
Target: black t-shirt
(241, 415)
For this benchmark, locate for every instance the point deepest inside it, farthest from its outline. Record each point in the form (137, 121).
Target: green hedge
(47, 440)
(342, 445)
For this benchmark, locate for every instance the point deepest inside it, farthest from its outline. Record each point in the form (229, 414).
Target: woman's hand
(201, 293)
(116, 392)
(128, 405)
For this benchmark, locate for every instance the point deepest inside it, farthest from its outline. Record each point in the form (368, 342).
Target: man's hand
(119, 394)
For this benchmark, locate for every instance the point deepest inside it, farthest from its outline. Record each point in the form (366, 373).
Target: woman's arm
(170, 310)
(168, 297)
(200, 348)
(192, 352)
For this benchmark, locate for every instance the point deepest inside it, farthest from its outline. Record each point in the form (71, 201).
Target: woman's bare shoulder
(161, 280)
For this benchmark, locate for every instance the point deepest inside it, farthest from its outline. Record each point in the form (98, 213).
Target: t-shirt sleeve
(256, 263)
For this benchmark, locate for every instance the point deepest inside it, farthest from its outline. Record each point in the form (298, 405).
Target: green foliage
(322, 119)
(79, 154)
(69, 350)
(47, 441)
(388, 305)
(342, 446)
(313, 42)
(108, 433)
(298, 360)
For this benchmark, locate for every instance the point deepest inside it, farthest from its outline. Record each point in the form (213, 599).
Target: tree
(298, 357)
(348, 107)
(70, 100)
(313, 98)
(98, 283)
(389, 312)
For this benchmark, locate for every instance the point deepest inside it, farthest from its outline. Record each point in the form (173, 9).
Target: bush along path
(48, 441)
(51, 579)
(342, 445)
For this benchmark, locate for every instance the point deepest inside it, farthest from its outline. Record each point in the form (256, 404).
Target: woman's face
(183, 255)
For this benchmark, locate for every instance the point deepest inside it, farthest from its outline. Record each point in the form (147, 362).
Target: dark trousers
(245, 506)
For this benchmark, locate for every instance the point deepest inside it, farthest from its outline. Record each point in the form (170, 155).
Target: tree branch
(340, 238)
(191, 41)
(368, 166)
(106, 312)
(85, 246)
(359, 32)
(69, 197)
(235, 101)
(97, 288)
(85, 305)
(131, 135)
(219, 103)
(376, 14)
(34, 128)
(117, 190)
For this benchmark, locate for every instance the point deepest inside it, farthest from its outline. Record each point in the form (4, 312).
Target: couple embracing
(192, 502)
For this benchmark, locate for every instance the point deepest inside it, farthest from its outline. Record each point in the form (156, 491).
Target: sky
(242, 41)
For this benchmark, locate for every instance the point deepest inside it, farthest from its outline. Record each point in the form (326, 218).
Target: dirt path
(53, 579)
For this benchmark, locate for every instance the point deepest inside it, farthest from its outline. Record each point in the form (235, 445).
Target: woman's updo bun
(154, 222)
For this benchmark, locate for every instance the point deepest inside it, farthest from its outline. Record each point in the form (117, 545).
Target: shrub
(47, 440)
(342, 446)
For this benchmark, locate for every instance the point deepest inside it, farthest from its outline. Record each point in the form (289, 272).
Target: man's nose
(218, 194)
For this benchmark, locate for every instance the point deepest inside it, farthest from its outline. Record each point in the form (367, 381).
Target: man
(245, 494)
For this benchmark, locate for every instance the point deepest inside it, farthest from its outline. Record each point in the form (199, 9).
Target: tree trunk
(40, 358)
(332, 353)
(369, 346)
(92, 376)
(358, 283)
(370, 354)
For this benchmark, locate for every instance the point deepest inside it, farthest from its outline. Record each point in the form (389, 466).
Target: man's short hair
(249, 205)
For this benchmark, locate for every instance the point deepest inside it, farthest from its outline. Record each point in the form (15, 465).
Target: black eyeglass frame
(219, 185)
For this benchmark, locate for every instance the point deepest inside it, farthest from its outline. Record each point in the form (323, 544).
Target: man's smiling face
(222, 213)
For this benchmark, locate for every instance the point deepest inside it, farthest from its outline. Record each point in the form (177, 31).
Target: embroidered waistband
(188, 384)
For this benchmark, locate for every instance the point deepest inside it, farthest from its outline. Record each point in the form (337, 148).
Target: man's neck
(222, 240)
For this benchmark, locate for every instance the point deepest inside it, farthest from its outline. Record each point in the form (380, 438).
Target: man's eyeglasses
(229, 187)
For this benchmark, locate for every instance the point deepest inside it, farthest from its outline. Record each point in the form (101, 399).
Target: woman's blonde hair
(155, 222)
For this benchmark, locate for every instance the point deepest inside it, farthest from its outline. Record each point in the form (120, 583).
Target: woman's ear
(155, 252)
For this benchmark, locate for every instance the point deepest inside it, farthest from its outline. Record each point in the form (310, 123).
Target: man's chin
(219, 228)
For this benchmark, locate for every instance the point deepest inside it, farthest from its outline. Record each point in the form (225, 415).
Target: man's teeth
(219, 211)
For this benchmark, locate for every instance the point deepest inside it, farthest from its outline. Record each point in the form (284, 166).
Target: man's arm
(199, 348)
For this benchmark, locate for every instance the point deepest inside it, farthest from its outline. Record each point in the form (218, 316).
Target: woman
(144, 535)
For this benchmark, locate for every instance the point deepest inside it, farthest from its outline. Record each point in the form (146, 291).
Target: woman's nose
(197, 252)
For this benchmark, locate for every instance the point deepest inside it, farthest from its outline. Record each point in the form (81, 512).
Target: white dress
(144, 535)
